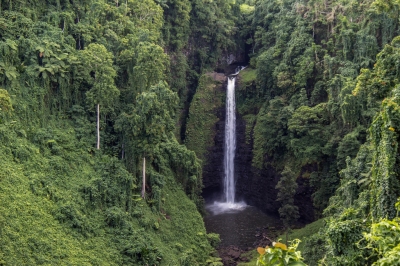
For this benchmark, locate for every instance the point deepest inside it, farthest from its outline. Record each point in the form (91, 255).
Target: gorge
(236, 222)
(89, 88)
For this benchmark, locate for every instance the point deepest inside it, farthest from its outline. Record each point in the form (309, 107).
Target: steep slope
(89, 89)
(63, 204)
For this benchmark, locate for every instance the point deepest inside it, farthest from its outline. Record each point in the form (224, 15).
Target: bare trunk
(98, 126)
(144, 178)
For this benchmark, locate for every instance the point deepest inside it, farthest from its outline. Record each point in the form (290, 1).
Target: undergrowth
(63, 203)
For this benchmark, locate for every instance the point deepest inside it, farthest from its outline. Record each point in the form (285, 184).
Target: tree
(286, 187)
(100, 74)
(149, 122)
(5, 102)
(310, 136)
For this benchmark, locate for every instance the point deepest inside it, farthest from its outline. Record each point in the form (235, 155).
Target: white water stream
(229, 204)
(230, 142)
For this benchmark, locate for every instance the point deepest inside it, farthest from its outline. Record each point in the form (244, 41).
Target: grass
(303, 233)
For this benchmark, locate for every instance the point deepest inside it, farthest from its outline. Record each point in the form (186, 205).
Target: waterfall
(230, 142)
(229, 204)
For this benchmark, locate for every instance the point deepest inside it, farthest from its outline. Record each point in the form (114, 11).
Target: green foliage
(302, 233)
(304, 103)
(348, 146)
(151, 120)
(315, 111)
(200, 128)
(212, 261)
(247, 100)
(309, 139)
(279, 254)
(213, 239)
(271, 132)
(329, 105)
(60, 203)
(247, 76)
(99, 72)
(384, 240)
(76, 205)
(177, 23)
(286, 187)
(313, 241)
(5, 102)
(384, 174)
(212, 30)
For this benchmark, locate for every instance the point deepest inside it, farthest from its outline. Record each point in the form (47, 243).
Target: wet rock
(213, 170)
(255, 186)
(231, 255)
(234, 254)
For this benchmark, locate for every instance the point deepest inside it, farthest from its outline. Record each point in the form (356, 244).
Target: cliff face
(213, 169)
(205, 129)
(255, 187)
(205, 135)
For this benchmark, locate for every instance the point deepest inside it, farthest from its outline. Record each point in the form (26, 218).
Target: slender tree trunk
(144, 178)
(98, 126)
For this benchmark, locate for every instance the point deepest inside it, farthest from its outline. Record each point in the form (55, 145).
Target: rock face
(303, 200)
(256, 187)
(213, 170)
(205, 127)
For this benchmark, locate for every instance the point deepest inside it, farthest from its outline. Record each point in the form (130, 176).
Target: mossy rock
(200, 130)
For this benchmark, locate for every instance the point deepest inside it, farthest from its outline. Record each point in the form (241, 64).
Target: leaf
(297, 263)
(261, 250)
(280, 245)
(40, 49)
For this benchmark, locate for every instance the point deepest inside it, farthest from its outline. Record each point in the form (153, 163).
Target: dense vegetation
(89, 88)
(327, 91)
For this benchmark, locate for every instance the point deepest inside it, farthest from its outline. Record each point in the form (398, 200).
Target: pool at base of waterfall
(239, 224)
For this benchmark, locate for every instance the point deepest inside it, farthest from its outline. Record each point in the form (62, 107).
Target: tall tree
(286, 187)
(100, 75)
(149, 122)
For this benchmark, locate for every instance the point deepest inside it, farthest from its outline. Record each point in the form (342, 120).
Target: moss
(250, 122)
(248, 76)
(248, 100)
(200, 130)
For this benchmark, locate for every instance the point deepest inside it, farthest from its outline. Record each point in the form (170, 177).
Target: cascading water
(237, 223)
(229, 203)
(230, 142)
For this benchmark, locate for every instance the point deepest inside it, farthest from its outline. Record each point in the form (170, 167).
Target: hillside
(96, 93)
(88, 89)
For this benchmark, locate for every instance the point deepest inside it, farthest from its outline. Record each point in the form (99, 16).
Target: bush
(279, 254)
